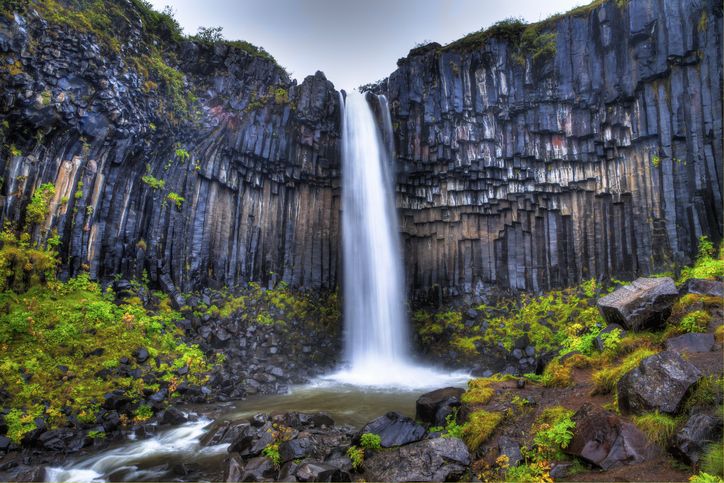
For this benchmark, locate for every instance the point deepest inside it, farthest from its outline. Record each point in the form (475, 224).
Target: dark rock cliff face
(528, 169)
(519, 166)
(259, 183)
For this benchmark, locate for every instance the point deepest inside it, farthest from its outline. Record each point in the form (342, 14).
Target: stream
(166, 455)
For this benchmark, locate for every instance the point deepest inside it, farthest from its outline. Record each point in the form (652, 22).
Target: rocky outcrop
(661, 382)
(208, 170)
(644, 304)
(588, 146)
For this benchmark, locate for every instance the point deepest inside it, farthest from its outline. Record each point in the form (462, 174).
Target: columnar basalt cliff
(537, 156)
(199, 162)
(528, 157)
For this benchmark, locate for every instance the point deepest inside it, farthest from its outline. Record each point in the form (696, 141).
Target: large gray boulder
(434, 407)
(438, 459)
(604, 439)
(643, 304)
(712, 288)
(394, 429)
(660, 382)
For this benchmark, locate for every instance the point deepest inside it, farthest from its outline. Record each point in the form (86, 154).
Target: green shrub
(370, 441)
(182, 154)
(154, 183)
(705, 266)
(271, 451)
(697, 321)
(143, 412)
(39, 204)
(356, 456)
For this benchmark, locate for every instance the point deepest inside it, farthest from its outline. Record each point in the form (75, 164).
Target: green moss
(150, 180)
(705, 266)
(659, 428)
(182, 154)
(466, 344)
(703, 22)
(52, 323)
(479, 391)
(605, 379)
(479, 427)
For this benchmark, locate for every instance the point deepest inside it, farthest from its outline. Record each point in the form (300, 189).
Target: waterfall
(376, 334)
(375, 327)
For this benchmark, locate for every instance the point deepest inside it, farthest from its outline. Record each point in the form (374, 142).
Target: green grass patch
(479, 427)
(658, 428)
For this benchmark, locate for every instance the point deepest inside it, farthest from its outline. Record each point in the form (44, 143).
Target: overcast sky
(352, 41)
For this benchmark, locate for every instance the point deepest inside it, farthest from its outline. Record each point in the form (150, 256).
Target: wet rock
(438, 459)
(712, 288)
(294, 449)
(605, 440)
(510, 448)
(691, 342)
(141, 355)
(315, 471)
(440, 401)
(644, 304)
(258, 469)
(286, 473)
(5, 443)
(61, 440)
(225, 432)
(173, 416)
(252, 441)
(339, 459)
(394, 429)
(691, 441)
(660, 382)
(234, 468)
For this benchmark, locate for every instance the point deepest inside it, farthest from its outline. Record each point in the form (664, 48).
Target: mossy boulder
(645, 303)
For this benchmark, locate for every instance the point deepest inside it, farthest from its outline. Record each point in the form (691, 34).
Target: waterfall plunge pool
(168, 454)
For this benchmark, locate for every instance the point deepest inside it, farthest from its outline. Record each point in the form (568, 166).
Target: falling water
(376, 335)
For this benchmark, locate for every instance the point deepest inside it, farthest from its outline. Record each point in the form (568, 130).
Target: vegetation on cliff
(66, 347)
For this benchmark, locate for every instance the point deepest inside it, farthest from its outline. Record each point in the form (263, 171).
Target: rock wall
(254, 157)
(523, 168)
(520, 166)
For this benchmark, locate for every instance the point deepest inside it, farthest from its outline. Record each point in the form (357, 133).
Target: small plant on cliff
(182, 154)
(38, 207)
(705, 266)
(176, 199)
(370, 441)
(696, 321)
(150, 180)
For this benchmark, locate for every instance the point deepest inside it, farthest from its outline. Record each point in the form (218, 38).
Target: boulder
(713, 288)
(225, 432)
(691, 441)
(510, 448)
(394, 429)
(691, 343)
(62, 440)
(439, 401)
(644, 304)
(315, 471)
(173, 416)
(251, 441)
(438, 459)
(295, 449)
(234, 468)
(255, 469)
(660, 382)
(605, 440)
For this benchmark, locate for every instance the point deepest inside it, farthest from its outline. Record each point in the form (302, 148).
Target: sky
(353, 42)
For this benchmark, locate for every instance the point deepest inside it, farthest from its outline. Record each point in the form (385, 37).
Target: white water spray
(376, 335)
